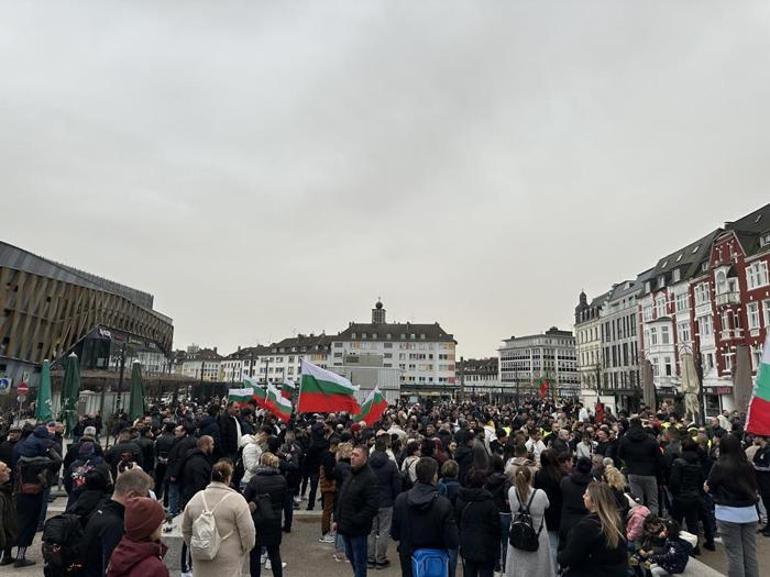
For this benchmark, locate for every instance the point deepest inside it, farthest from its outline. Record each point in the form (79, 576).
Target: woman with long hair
(548, 478)
(596, 546)
(522, 495)
(733, 486)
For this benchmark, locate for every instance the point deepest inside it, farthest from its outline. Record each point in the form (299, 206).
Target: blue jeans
(505, 527)
(173, 499)
(356, 550)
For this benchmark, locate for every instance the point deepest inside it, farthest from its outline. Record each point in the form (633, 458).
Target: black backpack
(522, 534)
(61, 537)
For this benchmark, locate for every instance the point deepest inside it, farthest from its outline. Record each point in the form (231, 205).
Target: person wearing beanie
(140, 552)
(75, 474)
(73, 450)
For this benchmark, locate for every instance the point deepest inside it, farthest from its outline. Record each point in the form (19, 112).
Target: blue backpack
(430, 563)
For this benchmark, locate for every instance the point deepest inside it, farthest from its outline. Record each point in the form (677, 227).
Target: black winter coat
(73, 450)
(572, 510)
(686, 482)
(128, 450)
(163, 445)
(102, 534)
(358, 502)
(479, 523)
(228, 432)
(640, 452)
(268, 481)
(464, 459)
(177, 456)
(498, 485)
(196, 475)
(552, 489)
(587, 553)
(388, 478)
(422, 518)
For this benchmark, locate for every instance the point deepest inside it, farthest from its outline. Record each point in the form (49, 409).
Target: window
(767, 313)
(676, 275)
(706, 326)
(757, 274)
(683, 330)
(702, 293)
(665, 336)
(753, 310)
(653, 336)
(667, 366)
(388, 345)
(764, 239)
(660, 306)
(681, 302)
(647, 313)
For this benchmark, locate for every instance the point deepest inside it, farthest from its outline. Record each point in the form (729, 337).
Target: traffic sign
(22, 389)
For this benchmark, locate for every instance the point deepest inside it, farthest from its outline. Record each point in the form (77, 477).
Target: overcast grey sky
(270, 167)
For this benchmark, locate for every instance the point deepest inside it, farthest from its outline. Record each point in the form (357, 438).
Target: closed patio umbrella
(742, 378)
(136, 397)
(70, 392)
(648, 385)
(690, 387)
(43, 408)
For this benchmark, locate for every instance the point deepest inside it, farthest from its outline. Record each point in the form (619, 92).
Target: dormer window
(363, 335)
(764, 240)
(352, 335)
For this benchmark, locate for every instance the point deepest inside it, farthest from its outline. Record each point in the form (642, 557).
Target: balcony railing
(728, 298)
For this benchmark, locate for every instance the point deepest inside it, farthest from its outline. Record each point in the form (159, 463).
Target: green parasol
(70, 392)
(136, 399)
(43, 411)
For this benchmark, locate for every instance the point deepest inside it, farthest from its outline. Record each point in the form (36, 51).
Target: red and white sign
(22, 389)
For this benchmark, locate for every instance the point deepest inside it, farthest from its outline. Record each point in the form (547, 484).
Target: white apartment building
(425, 353)
(588, 341)
(552, 355)
(201, 365)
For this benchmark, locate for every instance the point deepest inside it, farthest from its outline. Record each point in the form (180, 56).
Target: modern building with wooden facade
(48, 310)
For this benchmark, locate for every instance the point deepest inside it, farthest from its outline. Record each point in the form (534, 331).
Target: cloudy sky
(267, 168)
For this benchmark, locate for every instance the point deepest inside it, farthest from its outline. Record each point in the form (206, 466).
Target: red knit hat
(143, 516)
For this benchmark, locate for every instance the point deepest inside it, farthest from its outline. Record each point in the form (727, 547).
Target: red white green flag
(277, 404)
(322, 391)
(373, 408)
(758, 417)
(242, 395)
(259, 394)
(287, 388)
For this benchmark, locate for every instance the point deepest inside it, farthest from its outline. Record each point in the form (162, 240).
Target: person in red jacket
(140, 552)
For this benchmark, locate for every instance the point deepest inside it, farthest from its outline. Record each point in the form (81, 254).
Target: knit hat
(143, 516)
(90, 430)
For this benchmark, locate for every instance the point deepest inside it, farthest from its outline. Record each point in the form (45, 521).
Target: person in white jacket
(253, 447)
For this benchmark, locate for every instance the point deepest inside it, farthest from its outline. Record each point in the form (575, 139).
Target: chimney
(215, 350)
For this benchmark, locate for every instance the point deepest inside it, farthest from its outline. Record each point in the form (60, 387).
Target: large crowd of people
(541, 488)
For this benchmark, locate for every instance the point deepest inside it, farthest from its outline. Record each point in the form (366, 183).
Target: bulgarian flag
(544, 386)
(240, 395)
(287, 388)
(322, 391)
(373, 408)
(259, 394)
(277, 404)
(758, 417)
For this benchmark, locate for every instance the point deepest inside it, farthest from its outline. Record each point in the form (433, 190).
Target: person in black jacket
(761, 462)
(389, 481)
(196, 470)
(267, 480)
(549, 478)
(184, 443)
(104, 529)
(143, 438)
(124, 452)
(73, 450)
(686, 485)
(230, 432)
(573, 509)
(163, 445)
(642, 456)
(479, 524)
(359, 500)
(497, 484)
(422, 518)
(209, 425)
(596, 547)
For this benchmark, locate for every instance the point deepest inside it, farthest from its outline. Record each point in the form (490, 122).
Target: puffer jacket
(250, 455)
(674, 557)
(423, 519)
(268, 481)
(686, 481)
(358, 502)
(388, 478)
(498, 485)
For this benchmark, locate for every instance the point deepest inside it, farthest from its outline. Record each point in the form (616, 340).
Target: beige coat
(233, 515)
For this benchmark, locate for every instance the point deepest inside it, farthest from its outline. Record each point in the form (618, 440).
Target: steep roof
(394, 332)
(687, 259)
(751, 228)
